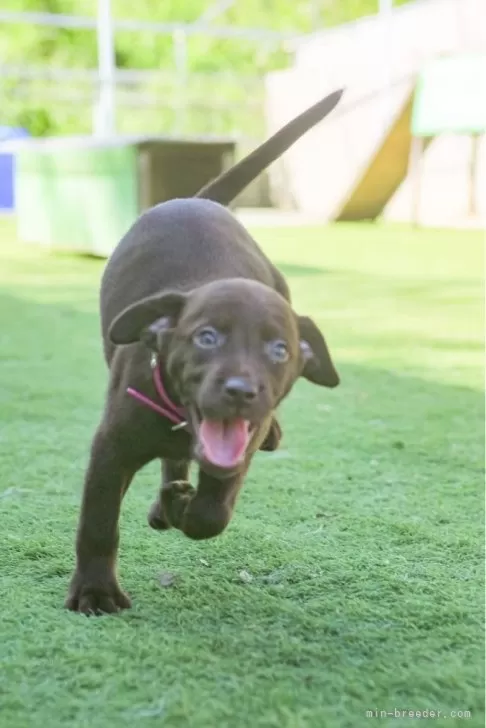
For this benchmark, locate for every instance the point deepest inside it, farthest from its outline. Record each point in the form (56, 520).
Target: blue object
(7, 168)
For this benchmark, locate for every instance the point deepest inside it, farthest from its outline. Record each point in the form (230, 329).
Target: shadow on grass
(294, 270)
(445, 289)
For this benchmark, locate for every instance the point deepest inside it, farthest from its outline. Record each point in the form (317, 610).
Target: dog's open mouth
(223, 443)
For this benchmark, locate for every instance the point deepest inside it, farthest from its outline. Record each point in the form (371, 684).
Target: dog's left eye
(208, 338)
(278, 351)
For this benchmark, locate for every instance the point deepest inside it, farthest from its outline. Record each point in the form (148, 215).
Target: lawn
(351, 577)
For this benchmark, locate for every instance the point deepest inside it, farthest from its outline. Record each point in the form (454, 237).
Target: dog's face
(232, 350)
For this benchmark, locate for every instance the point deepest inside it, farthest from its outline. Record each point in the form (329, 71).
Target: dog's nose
(240, 390)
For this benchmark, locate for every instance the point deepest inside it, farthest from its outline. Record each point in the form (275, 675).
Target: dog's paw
(156, 517)
(175, 497)
(273, 437)
(94, 599)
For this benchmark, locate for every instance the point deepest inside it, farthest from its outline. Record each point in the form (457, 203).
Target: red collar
(169, 410)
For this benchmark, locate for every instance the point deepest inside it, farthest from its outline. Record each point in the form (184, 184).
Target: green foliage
(36, 120)
(28, 46)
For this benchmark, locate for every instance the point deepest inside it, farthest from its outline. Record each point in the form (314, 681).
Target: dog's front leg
(203, 512)
(94, 588)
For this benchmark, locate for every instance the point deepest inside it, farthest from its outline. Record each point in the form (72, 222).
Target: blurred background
(406, 144)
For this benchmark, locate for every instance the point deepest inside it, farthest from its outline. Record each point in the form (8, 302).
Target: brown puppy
(202, 346)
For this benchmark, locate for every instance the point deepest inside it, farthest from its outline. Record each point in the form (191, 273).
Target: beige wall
(318, 172)
(445, 187)
(377, 60)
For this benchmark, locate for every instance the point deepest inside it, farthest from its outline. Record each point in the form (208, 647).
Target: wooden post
(473, 174)
(415, 171)
(105, 110)
(179, 38)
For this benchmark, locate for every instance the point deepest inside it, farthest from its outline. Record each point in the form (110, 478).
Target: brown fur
(186, 265)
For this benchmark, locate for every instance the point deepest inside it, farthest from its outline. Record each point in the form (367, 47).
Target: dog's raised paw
(175, 497)
(156, 518)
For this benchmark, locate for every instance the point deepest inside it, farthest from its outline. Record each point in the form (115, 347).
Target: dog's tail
(229, 184)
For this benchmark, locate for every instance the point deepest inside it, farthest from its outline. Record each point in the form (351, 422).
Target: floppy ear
(148, 319)
(318, 365)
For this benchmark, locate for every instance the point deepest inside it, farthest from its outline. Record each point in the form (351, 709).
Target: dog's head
(232, 350)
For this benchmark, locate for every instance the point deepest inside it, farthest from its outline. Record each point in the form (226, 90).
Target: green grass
(350, 578)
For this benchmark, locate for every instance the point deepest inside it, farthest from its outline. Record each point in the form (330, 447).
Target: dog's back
(181, 244)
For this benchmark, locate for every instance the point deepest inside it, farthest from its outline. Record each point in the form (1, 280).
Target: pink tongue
(224, 443)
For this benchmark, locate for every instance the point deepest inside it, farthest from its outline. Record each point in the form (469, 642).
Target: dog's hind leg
(172, 471)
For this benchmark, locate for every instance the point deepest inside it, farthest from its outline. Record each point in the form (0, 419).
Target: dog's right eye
(208, 338)
(278, 351)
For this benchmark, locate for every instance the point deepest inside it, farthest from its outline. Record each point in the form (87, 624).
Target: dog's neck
(168, 409)
(162, 380)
